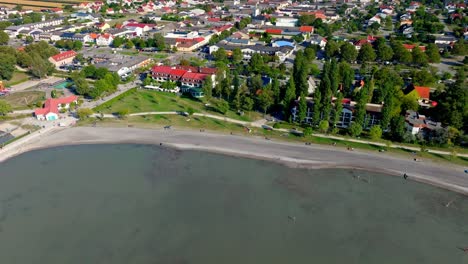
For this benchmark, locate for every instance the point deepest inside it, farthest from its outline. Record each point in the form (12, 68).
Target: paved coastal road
(448, 175)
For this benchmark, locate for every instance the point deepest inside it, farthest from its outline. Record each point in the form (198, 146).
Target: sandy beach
(291, 154)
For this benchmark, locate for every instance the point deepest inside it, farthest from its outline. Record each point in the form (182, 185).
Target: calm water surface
(147, 204)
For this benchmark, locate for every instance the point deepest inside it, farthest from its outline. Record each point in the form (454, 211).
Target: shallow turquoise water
(148, 204)
(62, 85)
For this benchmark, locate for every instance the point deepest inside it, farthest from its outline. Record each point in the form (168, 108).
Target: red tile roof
(180, 71)
(51, 105)
(194, 76)
(411, 47)
(423, 91)
(308, 29)
(161, 69)
(64, 55)
(273, 31)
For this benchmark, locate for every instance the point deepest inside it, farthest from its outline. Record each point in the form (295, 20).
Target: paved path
(122, 88)
(260, 123)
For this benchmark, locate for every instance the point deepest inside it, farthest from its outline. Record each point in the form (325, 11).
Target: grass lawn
(18, 77)
(24, 100)
(160, 55)
(153, 101)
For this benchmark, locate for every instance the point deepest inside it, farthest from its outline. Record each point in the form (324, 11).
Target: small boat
(292, 218)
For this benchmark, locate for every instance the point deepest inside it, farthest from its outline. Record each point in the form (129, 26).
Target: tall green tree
(40, 67)
(346, 74)
(290, 94)
(275, 88)
(432, 52)
(207, 87)
(366, 53)
(302, 109)
(237, 56)
(348, 52)
(331, 49)
(317, 111)
(265, 99)
(7, 66)
(419, 57)
(4, 38)
(338, 108)
(384, 52)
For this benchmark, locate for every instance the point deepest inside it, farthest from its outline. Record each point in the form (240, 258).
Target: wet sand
(444, 175)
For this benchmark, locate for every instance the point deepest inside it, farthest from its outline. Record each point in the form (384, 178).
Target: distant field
(36, 5)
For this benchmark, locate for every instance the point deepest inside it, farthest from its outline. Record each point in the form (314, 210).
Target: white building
(286, 22)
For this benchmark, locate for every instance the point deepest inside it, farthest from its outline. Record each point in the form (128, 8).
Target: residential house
(104, 40)
(282, 53)
(102, 26)
(53, 106)
(416, 123)
(286, 22)
(316, 39)
(63, 58)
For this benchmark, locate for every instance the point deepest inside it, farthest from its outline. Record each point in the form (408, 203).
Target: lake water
(148, 204)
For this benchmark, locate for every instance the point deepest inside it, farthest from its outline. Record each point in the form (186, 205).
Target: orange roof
(94, 35)
(273, 31)
(423, 91)
(306, 29)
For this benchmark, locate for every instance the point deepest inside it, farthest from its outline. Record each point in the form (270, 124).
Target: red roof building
(187, 75)
(52, 106)
(306, 29)
(63, 58)
(64, 55)
(274, 31)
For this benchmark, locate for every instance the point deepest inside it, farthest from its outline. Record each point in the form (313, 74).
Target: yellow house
(102, 26)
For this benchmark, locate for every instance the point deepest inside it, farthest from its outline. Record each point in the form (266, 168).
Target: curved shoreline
(294, 155)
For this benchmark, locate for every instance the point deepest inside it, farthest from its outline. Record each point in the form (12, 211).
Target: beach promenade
(291, 154)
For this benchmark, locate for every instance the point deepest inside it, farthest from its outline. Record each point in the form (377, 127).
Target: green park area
(138, 100)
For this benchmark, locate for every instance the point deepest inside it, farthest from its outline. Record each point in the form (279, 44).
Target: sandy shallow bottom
(444, 175)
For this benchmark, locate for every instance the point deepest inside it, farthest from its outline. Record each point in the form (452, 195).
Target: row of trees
(381, 51)
(34, 58)
(69, 44)
(105, 81)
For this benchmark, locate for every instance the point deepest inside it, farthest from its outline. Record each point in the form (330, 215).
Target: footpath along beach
(448, 176)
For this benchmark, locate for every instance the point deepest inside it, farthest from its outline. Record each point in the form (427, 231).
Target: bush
(276, 125)
(308, 131)
(123, 113)
(323, 126)
(375, 133)
(84, 113)
(355, 129)
(190, 111)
